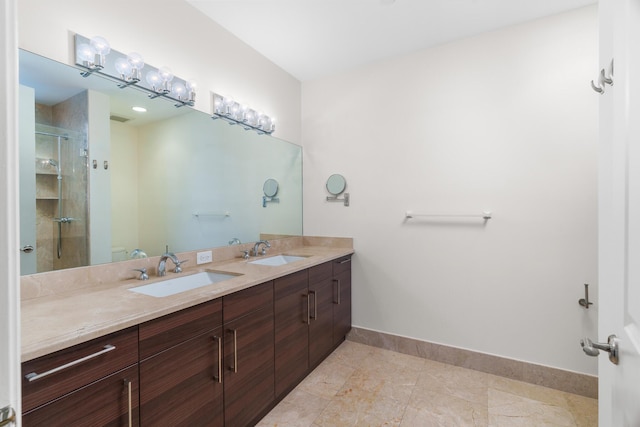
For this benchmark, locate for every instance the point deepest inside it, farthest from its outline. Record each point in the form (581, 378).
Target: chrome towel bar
(484, 215)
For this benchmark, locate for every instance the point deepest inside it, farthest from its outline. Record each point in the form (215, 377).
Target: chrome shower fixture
(96, 56)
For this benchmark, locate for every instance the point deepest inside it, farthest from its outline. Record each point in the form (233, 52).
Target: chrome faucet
(163, 260)
(256, 247)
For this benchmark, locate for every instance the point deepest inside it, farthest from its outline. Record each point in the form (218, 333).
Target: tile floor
(359, 385)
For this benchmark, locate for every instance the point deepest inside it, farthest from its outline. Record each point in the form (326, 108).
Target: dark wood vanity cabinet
(93, 383)
(292, 317)
(181, 368)
(342, 301)
(321, 324)
(225, 362)
(312, 316)
(248, 355)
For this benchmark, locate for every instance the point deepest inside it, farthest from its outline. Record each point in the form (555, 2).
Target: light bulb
(250, 116)
(218, 103)
(192, 85)
(123, 67)
(136, 60)
(154, 80)
(101, 45)
(166, 74)
(86, 53)
(102, 49)
(179, 91)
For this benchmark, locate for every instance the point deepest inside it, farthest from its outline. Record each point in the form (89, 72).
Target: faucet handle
(143, 273)
(245, 254)
(178, 268)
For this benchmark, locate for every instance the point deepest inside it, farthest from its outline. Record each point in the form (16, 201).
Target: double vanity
(221, 347)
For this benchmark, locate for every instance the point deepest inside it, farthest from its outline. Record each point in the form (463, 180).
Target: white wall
(504, 121)
(168, 33)
(124, 186)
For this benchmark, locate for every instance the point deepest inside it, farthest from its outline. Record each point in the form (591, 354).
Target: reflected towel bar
(199, 214)
(484, 215)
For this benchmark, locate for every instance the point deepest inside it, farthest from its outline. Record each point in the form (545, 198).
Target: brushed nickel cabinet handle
(315, 305)
(338, 282)
(234, 368)
(128, 382)
(219, 376)
(344, 261)
(34, 376)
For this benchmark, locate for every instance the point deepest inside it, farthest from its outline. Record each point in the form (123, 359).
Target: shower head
(53, 163)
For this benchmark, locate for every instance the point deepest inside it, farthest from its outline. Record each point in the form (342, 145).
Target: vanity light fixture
(126, 70)
(129, 68)
(231, 111)
(92, 54)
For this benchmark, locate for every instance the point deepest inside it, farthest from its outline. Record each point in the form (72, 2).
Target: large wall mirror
(99, 180)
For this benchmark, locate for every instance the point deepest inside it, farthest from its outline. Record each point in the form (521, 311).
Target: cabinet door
(292, 316)
(111, 401)
(342, 301)
(182, 386)
(249, 366)
(321, 325)
(48, 377)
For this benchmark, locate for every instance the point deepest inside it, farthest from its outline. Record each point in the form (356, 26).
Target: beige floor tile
(359, 407)
(298, 409)
(465, 384)
(583, 409)
(507, 409)
(531, 391)
(444, 410)
(327, 379)
(359, 385)
(350, 354)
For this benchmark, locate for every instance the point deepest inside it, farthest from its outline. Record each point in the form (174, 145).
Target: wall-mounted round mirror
(336, 184)
(270, 187)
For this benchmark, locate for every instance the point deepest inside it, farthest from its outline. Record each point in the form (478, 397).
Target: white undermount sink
(179, 284)
(278, 260)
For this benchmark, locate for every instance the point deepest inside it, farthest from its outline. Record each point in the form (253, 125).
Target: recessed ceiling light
(139, 109)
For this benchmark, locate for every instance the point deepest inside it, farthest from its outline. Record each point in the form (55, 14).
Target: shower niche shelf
(46, 187)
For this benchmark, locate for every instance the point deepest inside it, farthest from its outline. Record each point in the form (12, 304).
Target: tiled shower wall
(68, 117)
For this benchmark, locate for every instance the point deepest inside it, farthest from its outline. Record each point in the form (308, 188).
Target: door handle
(27, 249)
(593, 348)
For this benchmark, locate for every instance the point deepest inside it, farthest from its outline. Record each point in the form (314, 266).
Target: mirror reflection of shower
(61, 198)
(59, 219)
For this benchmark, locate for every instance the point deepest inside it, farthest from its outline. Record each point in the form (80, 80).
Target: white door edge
(9, 215)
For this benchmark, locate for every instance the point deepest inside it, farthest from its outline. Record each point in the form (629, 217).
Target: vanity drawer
(320, 272)
(61, 372)
(170, 330)
(341, 265)
(244, 302)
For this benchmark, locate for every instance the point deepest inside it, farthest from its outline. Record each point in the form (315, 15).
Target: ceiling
(314, 38)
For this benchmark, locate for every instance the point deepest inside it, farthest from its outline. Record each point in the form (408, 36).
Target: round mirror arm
(266, 200)
(337, 199)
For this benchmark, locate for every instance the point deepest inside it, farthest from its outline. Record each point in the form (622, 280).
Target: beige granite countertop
(62, 309)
